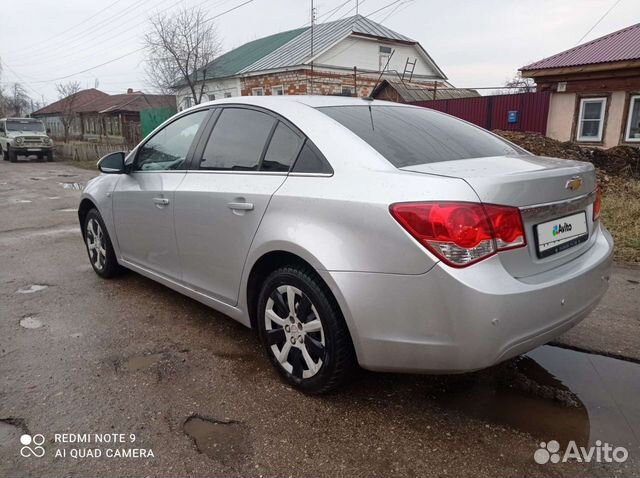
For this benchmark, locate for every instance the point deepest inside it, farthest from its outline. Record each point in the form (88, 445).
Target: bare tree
(179, 47)
(517, 84)
(68, 93)
(16, 100)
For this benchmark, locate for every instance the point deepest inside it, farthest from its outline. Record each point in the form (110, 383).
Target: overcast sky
(476, 43)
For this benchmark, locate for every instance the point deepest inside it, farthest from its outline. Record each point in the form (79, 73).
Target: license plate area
(561, 234)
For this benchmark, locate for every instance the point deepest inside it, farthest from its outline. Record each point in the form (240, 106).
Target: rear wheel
(303, 330)
(99, 247)
(5, 155)
(50, 156)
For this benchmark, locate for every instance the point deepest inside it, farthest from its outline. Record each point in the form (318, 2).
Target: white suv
(26, 137)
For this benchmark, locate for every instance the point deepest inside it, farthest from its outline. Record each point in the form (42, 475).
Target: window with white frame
(257, 91)
(591, 119)
(187, 102)
(277, 90)
(211, 97)
(633, 123)
(227, 94)
(347, 91)
(384, 53)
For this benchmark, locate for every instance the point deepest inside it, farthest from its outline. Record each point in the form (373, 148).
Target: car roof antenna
(386, 65)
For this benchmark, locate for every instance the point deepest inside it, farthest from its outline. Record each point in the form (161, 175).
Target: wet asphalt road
(129, 356)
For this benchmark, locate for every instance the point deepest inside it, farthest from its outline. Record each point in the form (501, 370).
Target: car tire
(5, 155)
(13, 155)
(99, 248)
(311, 348)
(50, 157)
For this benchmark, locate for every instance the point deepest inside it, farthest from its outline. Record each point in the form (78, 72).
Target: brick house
(595, 90)
(114, 118)
(348, 56)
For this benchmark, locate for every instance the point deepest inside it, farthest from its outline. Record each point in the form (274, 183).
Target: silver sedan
(351, 231)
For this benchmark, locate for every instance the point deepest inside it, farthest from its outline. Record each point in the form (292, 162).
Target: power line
(387, 6)
(395, 10)
(599, 20)
(134, 51)
(89, 32)
(228, 11)
(125, 40)
(20, 78)
(39, 44)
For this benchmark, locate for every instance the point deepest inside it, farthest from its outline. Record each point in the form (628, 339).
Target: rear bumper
(455, 320)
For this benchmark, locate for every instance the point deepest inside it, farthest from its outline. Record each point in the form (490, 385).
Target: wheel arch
(262, 267)
(83, 209)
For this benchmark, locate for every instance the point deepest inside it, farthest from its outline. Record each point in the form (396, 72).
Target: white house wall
(218, 88)
(364, 54)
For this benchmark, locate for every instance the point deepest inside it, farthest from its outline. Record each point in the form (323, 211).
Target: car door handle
(240, 206)
(161, 201)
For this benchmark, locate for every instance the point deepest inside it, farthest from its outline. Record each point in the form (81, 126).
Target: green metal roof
(239, 58)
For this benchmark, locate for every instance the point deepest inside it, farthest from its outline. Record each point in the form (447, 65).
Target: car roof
(308, 100)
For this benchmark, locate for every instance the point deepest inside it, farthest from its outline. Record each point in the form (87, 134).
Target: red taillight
(461, 233)
(596, 205)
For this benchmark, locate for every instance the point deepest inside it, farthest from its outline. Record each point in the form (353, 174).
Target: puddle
(223, 441)
(68, 209)
(555, 394)
(53, 197)
(23, 201)
(140, 362)
(67, 175)
(31, 289)
(78, 186)
(31, 323)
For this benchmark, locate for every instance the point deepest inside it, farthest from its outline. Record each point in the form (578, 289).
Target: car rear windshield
(411, 136)
(17, 125)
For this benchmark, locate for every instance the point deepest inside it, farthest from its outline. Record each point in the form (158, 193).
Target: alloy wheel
(96, 244)
(294, 332)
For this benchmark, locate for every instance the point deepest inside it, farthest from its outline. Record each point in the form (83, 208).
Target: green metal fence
(153, 117)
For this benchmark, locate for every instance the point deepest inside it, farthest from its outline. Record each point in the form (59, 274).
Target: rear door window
(411, 136)
(237, 140)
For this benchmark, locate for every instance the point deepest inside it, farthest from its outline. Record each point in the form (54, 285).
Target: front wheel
(99, 247)
(303, 330)
(12, 155)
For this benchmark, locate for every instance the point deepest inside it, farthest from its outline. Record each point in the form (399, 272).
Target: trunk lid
(526, 181)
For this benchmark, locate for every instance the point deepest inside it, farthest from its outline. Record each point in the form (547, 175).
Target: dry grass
(621, 215)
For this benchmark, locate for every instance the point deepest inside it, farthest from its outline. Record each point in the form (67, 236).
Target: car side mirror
(112, 163)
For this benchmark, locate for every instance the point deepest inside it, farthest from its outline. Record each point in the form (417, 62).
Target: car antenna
(370, 98)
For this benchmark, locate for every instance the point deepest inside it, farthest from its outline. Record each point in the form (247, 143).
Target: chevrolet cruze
(355, 231)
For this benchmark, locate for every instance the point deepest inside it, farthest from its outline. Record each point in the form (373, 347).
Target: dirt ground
(81, 355)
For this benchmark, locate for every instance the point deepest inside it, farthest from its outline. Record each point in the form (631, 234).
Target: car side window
(237, 141)
(310, 160)
(168, 148)
(283, 149)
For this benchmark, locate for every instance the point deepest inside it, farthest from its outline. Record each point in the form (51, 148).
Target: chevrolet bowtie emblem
(574, 183)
